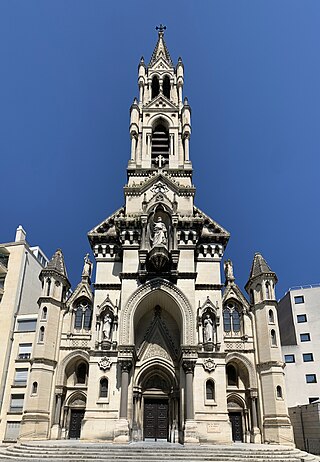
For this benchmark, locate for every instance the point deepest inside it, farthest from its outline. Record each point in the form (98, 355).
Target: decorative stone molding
(107, 286)
(188, 365)
(267, 365)
(208, 286)
(104, 363)
(142, 292)
(209, 365)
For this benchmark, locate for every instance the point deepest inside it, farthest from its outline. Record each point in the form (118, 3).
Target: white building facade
(159, 348)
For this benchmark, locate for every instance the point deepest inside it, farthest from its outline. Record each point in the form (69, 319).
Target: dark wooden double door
(75, 423)
(156, 419)
(236, 425)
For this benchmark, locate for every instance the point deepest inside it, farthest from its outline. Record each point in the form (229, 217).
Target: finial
(142, 60)
(161, 29)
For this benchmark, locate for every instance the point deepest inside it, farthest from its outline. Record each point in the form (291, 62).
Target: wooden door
(236, 424)
(156, 419)
(75, 423)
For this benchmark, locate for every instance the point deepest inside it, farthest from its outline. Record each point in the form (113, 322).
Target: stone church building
(158, 347)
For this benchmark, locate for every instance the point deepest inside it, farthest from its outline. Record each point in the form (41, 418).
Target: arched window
(273, 337)
(48, 286)
(155, 87)
(227, 320)
(236, 321)
(210, 390)
(41, 334)
(268, 292)
(160, 146)
(232, 376)
(271, 317)
(166, 86)
(103, 388)
(44, 313)
(81, 373)
(34, 389)
(251, 296)
(279, 392)
(87, 317)
(83, 315)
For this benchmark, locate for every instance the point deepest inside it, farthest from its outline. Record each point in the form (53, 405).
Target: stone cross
(159, 160)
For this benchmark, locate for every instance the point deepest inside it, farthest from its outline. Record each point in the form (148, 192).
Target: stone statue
(228, 271)
(160, 233)
(208, 329)
(87, 266)
(107, 325)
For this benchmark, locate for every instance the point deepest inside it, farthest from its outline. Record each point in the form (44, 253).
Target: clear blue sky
(252, 75)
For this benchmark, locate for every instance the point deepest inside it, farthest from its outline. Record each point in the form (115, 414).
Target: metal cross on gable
(161, 28)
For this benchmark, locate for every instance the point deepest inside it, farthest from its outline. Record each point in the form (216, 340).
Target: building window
(231, 319)
(273, 338)
(81, 373)
(312, 400)
(103, 388)
(210, 395)
(268, 293)
(41, 334)
(305, 337)
(160, 145)
(48, 286)
(24, 351)
(232, 376)
(307, 357)
(299, 299)
(155, 87)
(289, 359)
(271, 317)
(12, 431)
(16, 403)
(311, 378)
(279, 392)
(26, 325)
(34, 390)
(44, 313)
(302, 318)
(83, 316)
(21, 376)
(166, 86)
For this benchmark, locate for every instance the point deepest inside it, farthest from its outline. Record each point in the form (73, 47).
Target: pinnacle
(160, 50)
(57, 263)
(259, 266)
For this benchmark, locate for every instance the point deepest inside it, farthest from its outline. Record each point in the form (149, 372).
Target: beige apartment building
(20, 288)
(159, 348)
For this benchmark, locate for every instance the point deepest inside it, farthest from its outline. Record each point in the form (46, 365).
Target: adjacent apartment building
(20, 288)
(299, 323)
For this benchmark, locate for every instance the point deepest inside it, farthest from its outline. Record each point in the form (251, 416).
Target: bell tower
(160, 125)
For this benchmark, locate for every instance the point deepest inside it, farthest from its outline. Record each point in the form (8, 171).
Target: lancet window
(166, 86)
(160, 146)
(231, 319)
(155, 87)
(83, 315)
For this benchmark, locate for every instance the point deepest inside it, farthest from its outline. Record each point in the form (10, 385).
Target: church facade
(161, 349)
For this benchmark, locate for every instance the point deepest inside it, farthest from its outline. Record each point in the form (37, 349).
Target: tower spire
(161, 49)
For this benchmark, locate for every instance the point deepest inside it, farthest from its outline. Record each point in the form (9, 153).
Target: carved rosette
(209, 365)
(104, 363)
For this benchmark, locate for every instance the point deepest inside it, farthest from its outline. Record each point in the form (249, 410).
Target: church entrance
(156, 421)
(236, 425)
(75, 423)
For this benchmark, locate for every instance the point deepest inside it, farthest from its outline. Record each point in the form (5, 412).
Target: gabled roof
(160, 102)
(160, 51)
(83, 289)
(259, 266)
(232, 291)
(57, 264)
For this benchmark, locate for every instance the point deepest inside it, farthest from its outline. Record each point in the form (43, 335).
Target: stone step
(149, 452)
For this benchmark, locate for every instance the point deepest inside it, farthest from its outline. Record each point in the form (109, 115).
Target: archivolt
(180, 300)
(74, 355)
(240, 358)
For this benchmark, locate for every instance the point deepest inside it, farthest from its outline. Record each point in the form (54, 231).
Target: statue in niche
(208, 328)
(87, 266)
(160, 235)
(107, 325)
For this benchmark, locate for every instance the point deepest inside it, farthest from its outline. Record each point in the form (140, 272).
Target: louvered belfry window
(160, 146)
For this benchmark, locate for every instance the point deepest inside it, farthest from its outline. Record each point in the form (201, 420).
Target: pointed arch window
(34, 389)
(271, 317)
(41, 334)
(231, 319)
(160, 145)
(48, 286)
(155, 87)
(103, 393)
(166, 86)
(83, 315)
(44, 313)
(273, 338)
(268, 291)
(279, 392)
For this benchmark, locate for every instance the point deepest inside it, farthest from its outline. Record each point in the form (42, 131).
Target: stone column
(188, 367)
(133, 146)
(186, 148)
(171, 144)
(125, 370)
(255, 432)
(190, 428)
(58, 409)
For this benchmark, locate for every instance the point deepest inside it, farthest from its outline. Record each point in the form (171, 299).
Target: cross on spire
(161, 28)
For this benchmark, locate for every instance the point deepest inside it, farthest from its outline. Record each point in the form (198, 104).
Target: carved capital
(126, 365)
(189, 365)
